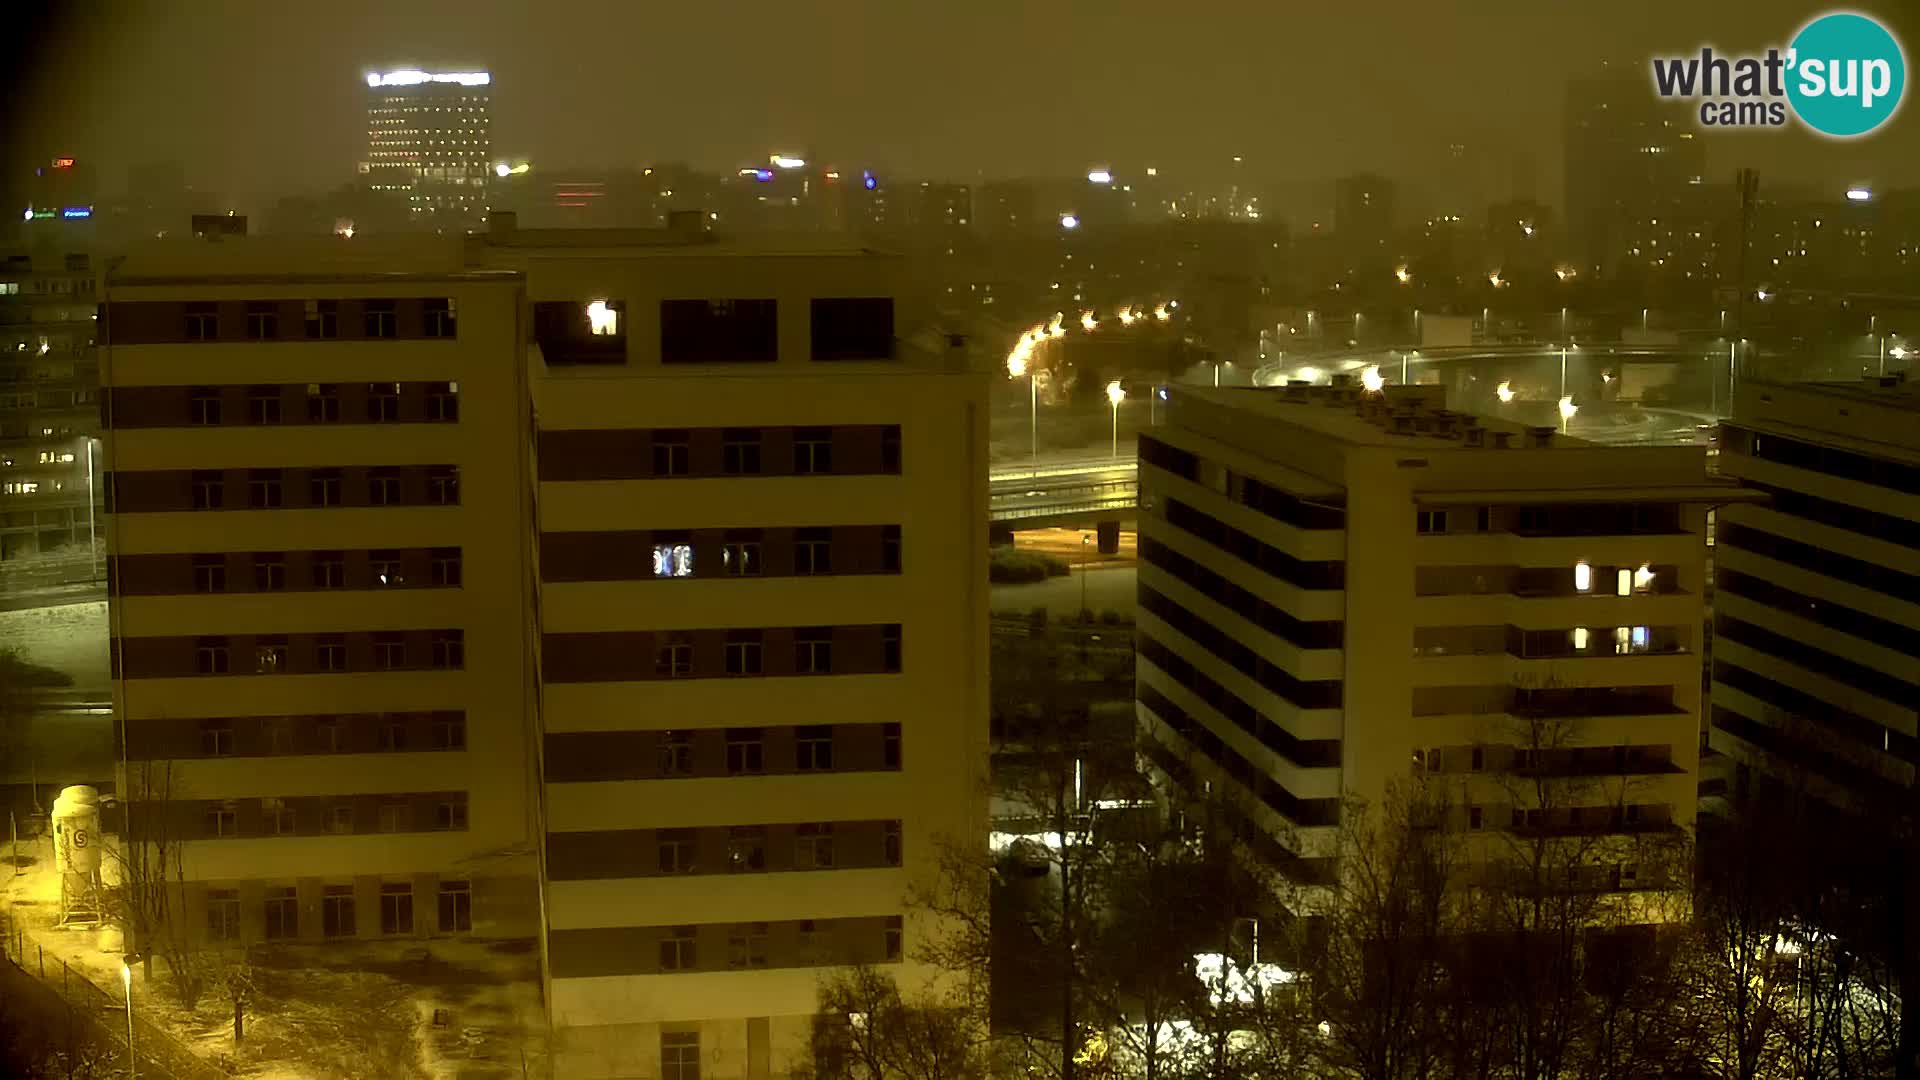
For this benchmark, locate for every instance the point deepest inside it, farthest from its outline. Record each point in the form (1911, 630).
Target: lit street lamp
(1504, 392)
(1372, 379)
(1020, 362)
(1115, 395)
(126, 981)
(1567, 409)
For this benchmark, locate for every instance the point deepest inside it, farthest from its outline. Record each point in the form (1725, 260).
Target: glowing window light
(672, 560)
(1639, 637)
(1100, 176)
(1580, 639)
(1582, 576)
(411, 77)
(1643, 578)
(1623, 583)
(1068, 221)
(603, 320)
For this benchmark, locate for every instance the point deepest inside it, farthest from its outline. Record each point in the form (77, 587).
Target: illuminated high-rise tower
(430, 141)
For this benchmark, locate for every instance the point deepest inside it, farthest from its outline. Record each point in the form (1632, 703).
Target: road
(1059, 488)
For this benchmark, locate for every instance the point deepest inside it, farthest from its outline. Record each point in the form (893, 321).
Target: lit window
(1623, 583)
(1639, 638)
(1579, 639)
(602, 319)
(1582, 576)
(1643, 578)
(672, 560)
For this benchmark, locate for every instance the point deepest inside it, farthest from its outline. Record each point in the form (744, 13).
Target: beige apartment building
(322, 620)
(49, 417)
(761, 553)
(1342, 589)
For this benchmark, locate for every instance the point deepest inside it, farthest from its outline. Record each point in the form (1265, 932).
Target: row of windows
(713, 553)
(1828, 460)
(278, 489)
(714, 331)
(1858, 729)
(295, 654)
(663, 950)
(141, 323)
(281, 921)
(734, 653)
(1239, 826)
(1300, 693)
(313, 403)
(1839, 515)
(1303, 812)
(1796, 651)
(737, 849)
(1264, 498)
(1847, 763)
(1578, 641)
(1868, 628)
(1306, 635)
(641, 454)
(343, 815)
(283, 571)
(1255, 552)
(1867, 575)
(1546, 761)
(572, 757)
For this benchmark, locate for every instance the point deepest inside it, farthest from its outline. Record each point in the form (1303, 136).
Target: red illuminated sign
(63, 163)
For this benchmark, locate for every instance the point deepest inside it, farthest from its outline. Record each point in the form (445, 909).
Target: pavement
(1109, 587)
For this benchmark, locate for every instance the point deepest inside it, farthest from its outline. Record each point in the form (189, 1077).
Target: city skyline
(847, 86)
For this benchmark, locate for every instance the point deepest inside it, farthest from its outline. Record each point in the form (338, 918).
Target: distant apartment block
(49, 417)
(1816, 621)
(322, 622)
(1340, 590)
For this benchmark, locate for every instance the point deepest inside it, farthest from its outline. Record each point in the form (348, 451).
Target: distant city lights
(411, 77)
(1504, 392)
(783, 161)
(1859, 194)
(867, 179)
(1372, 379)
(1100, 176)
(1068, 221)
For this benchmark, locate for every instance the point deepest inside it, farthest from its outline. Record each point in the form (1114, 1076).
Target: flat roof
(667, 243)
(295, 260)
(1341, 422)
(1900, 393)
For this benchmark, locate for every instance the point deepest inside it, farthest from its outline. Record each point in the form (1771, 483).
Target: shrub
(1011, 566)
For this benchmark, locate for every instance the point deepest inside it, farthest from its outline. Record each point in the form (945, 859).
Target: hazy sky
(264, 97)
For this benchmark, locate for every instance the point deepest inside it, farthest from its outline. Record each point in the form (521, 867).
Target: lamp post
(93, 545)
(1083, 574)
(1115, 395)
(126, 981)
(1020, 362)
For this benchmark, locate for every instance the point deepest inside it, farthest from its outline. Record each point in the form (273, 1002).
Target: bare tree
(867, 1030)
(153, 876)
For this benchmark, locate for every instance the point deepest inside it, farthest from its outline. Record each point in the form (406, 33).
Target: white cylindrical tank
(76, 830)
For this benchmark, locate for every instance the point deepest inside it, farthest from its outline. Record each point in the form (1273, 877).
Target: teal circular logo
(1846, 75)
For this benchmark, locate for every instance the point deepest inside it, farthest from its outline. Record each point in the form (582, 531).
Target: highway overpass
(1061, 491)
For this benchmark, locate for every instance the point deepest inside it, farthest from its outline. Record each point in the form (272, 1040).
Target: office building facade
(49, 418)
(1343, 591)
(430, 141)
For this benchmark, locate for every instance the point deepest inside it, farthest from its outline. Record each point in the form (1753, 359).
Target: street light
(1372, 379)
(1020, 362)
(1115, 395)
(1504, 392)
(126, 981)
(1567, 409)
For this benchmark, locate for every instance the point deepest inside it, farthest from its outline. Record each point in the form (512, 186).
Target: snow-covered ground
(70, 638)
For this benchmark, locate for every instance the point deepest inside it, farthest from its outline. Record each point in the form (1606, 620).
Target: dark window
(1483, 519)
(383, 487)
(679, 1050)
(676, 952)
(743, 652)
(393, 733)
(223, 914)
(340, 814)
(223, 819)
(389, 651)
(744, 751)
(813, 748)
(263, 405)
(813, 650)
(890, 647)
(211, 656)
(858, 328)
(747, 946)
(330, 652)
(216, 738)
(676, 753)
(323, 486)
(451, 816)
(456, 900)
(323, 318)
(1432, 521)
(323, 403)
(890, 845)
(813, 846)
(890, 549)
(263, 320)
(449, 648)
(395, 817)
(203, 322)
(443, 485)
(718, 331)
(746, 849)
(740, 557)
(740, 452)
(396, 907)
(379, 319)
(890, 449)
(283, 912)
(383, 402)
(443, 401)
(205, 405)
(329, 570)
(441, 322)
(890, 745)
(813, 450)
(674, 659)
(269, 571)
(670, 453)
(209, 573)
(896, 935)
(383, 569)
(445, 567)
(449, 731)
(263, 489)
(813, 551)
(336, 911)
(676, 850)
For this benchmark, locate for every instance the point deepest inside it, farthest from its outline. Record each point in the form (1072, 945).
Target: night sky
(263, 98)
